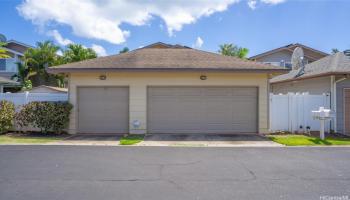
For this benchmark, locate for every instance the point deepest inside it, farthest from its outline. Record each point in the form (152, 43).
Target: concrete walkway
(208, 140)
(90, 140)
(174, 140)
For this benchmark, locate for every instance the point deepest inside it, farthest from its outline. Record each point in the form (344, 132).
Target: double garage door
(171, 110)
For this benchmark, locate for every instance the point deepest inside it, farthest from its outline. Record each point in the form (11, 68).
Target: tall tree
(77, 52)
(233, 50)
(3, 52)
(335, 50)
(23, 75)
(124, 50)
(37, 59)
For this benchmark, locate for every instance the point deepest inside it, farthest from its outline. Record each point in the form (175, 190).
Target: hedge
(47, 116)
(7, 113)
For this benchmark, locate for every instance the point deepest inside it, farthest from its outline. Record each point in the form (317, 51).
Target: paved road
(159, 173)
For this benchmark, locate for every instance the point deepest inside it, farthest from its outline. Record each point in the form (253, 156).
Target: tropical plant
(335, 50)
(233, 50)
(124, 50)
(77, 52)
(3, 52)
(7, 113)
(47, 116)
(38, 59)
(44, 55)
(23, 75)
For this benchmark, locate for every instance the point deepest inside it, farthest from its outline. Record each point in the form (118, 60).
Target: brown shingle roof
(338, 63)
(175, 57)
(318, 54)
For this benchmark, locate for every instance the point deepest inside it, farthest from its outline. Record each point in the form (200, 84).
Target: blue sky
(272, 23)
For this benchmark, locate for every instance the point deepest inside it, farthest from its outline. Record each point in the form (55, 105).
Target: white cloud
(273, 2)
(59, 52)
(102, 19)
(199, 43)
(99, 50)
(252, 4)
(58, 37)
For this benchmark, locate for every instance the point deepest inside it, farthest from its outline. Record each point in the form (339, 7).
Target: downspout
(334, 98)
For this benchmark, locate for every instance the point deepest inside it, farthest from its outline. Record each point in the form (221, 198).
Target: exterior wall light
(203, 77)
(103, 77)
(136, 124)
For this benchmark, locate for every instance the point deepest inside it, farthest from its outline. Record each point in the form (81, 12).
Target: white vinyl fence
(23, 98)
(292, 112)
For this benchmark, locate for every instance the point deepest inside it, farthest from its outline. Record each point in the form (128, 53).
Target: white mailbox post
(322, 114)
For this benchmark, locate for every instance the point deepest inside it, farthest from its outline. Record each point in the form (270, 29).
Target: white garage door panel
(202, 109)
(103, 110)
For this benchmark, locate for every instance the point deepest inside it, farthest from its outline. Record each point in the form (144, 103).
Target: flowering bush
(7, 112)
(47, 116)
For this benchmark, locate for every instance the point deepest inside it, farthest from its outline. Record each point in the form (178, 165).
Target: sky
(107, 26)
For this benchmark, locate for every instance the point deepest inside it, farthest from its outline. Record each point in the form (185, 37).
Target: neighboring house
(165, 88)
(330, 75)
(8, 66)
(5, 82)
(282, 56)
(48, 89)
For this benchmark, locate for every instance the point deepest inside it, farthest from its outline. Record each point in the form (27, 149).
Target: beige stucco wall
(313, 86)
(138, 82)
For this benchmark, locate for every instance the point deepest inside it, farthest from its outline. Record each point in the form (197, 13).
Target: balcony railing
(287, 65)
(8, 65)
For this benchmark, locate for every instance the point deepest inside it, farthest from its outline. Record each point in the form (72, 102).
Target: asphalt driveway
(95, 172)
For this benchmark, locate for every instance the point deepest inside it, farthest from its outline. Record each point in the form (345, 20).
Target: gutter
(334, 97)
(70, 70)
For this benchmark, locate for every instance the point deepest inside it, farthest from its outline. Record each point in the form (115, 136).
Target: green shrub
(7, 112)
(47, 116)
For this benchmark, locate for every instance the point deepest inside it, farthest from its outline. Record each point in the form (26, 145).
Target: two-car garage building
(168, 89)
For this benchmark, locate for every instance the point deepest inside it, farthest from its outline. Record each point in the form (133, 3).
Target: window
(2, 64)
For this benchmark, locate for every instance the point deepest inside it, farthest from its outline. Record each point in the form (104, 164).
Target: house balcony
(287, 65)
(8, 65)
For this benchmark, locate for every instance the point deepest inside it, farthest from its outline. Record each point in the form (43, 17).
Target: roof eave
(71, 70)
(312, 76)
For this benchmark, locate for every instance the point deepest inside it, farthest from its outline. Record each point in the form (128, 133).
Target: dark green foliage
(77, 52)
(233, 50)
(7, 113)
(47, 116)
(124, 50)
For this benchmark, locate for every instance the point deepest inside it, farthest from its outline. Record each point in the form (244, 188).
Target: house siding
(312, 86)
(138, 82)
(276, 57)
(340, 104)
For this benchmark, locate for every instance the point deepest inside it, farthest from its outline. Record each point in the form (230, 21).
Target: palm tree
(37, 59)
(233, 50)
(335, 50)
(3, 52)
(45, 54)
(124, 50)
(77, 52)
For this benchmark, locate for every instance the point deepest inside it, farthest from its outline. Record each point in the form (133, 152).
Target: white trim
(13, 51)
(334, 93)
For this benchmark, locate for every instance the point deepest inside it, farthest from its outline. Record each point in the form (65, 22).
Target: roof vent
(347, 52)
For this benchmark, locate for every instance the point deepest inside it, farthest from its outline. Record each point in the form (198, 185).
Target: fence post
(26, 94)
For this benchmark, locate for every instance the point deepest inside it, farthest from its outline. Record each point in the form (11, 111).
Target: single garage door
(103, 110)
(202, 109)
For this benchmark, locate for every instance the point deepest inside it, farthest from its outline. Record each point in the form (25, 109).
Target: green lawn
(6, 139)
(302, 140)
(131, 139)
